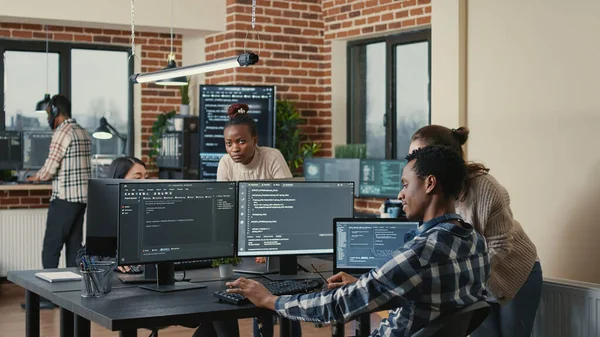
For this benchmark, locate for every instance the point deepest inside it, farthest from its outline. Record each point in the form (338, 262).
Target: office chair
(459, 324)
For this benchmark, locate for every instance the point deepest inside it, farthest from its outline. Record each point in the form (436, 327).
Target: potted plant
(226, 266)
(184, 108)
(288, 137)
(162, 123)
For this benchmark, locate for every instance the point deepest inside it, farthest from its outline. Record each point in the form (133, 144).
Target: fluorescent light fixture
(243, 60)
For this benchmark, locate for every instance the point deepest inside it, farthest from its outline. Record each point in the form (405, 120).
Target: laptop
(361, 244)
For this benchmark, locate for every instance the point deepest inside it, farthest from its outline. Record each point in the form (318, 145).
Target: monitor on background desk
(287, 219)
(333, 169)
(11, 156)
(364, 244)
(36, 146)
(163, 222)
(380, 178)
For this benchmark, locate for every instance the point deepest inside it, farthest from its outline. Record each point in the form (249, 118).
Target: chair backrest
(458, 324)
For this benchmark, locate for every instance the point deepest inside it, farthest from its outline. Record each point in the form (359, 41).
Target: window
(25, 85)
(388, 92)
(95, 78)
(100, 91)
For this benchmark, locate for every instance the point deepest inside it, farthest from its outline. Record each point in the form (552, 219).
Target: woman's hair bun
(237, 109)
(461, 134)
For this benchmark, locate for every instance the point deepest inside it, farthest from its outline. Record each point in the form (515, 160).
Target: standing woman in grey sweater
(515, 284)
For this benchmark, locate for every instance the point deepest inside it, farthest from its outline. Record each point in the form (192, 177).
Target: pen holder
(107, 276)
(92, 283)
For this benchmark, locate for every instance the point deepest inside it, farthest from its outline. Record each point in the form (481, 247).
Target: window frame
(63, 49)
(391, 41)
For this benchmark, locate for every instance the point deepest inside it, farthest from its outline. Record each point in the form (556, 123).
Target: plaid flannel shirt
(439, 271)
(69, 162)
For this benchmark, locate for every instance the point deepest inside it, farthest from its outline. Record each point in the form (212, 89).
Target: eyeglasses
(318, 272)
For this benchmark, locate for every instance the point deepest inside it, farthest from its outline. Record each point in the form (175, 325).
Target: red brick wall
(292, 57)
(25, 198)
(295, 53)
(154, 50)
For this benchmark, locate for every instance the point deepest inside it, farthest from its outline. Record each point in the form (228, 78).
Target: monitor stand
(288, 270)
(166, 280)
(249, 266)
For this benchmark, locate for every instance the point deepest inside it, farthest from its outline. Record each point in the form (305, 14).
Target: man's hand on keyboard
(254, 291)
(340, 279)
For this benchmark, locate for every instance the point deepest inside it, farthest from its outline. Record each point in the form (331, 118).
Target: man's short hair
(444, 164)
(63, 104)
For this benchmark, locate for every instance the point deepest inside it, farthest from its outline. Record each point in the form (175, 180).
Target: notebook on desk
(59, 276)
(361, 244)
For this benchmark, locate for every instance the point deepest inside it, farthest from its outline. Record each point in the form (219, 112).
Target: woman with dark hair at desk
(245, 160)
(123, 168)
(127, 168)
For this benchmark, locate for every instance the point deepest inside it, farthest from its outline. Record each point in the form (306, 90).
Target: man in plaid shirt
(68, 166)
(442, 267)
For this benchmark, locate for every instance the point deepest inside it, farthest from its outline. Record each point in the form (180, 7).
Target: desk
(127, 307)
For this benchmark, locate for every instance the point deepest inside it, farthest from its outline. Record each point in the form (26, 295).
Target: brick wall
(295, 53)
(155, 48)
(28, 197)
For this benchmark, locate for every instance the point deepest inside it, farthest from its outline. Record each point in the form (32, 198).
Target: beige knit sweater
(267, 163)
(512, 254)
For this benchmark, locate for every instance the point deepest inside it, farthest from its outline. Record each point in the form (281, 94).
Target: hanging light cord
(171, 26)
(132, 31)
(253, 28)
(46, 27)
(253, 13)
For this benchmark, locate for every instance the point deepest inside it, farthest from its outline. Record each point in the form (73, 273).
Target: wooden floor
(12, 321)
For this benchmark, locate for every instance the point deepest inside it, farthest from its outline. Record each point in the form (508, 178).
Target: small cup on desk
(393, 212)
(92, 283)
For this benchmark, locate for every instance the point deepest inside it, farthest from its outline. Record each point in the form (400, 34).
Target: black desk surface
(28, 280)
(133, 307)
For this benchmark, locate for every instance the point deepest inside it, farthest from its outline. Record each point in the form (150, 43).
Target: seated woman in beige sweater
(516, 274)
(245, 160)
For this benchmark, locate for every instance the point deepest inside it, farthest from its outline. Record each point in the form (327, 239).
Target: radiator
(21, 237)
(568, 309)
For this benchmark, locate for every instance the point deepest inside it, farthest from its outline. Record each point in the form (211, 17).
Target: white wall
(448, 62)
(150, 15)
(534, 112)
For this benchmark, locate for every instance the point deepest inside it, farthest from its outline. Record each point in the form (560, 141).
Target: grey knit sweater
(512, 254)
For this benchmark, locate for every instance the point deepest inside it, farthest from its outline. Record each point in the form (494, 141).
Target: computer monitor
(363, 244)
(102, 216)
(333, 169)
(290, 218)
(11, 157)
(213, 103)
(163, 222)
(36, 145)
(380, 178)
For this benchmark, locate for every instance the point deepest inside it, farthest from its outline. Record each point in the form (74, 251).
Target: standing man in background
(69, 167)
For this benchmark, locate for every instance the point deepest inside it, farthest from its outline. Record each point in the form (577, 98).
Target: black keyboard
(288, 287)
(236, 299)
